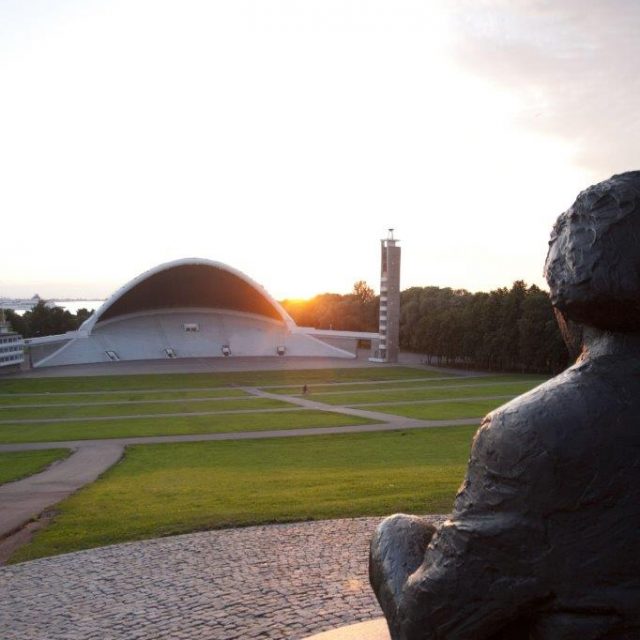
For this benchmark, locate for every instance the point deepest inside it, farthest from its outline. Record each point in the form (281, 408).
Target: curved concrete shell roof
(190, 283)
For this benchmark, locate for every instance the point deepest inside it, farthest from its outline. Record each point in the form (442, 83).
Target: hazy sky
(283, 137)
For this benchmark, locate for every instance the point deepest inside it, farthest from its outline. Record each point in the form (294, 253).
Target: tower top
(389, 241)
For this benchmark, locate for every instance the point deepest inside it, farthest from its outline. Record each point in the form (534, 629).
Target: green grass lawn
(19, 464)
(128, 395)
(172, 488)
(207, 380)
(128, 409)
(410, 382)
(166, 489)
(399, 395)
(173, 425)
(442, 410)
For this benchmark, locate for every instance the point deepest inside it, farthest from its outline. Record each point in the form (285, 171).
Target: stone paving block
(281, 582)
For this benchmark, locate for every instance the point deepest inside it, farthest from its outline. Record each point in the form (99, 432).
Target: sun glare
(282, 139)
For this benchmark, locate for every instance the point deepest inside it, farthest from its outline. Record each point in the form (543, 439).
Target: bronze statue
(543, 541)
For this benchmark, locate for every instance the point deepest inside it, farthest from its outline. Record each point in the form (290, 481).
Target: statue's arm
(475, 573)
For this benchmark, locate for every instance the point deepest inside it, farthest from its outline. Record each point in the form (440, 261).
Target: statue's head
(593, 264)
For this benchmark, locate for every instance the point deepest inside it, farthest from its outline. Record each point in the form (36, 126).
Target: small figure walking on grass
(305, 390)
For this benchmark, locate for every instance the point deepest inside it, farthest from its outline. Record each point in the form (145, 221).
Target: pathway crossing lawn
(130, 409)
(166, 489)
(174, 425)
(208, 380)
(421, 393)
(442, 410)
(20, 464)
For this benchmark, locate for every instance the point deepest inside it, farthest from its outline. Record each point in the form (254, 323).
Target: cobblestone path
(278, 581)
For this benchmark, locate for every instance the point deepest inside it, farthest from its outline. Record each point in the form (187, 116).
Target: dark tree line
(45, 321)
(504, 330)
(356, 311)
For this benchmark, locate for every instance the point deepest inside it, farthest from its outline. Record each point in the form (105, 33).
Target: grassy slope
(127, 395)
(150, 426)
(411, 381)
(19, 464)
(207, 380)
(400, 395)
(442, 410)
(128, 409)
(166, 489)
(174, 426)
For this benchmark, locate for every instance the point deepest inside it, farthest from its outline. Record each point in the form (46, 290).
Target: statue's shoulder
(549, 417)
(567, 395)
(518, 445)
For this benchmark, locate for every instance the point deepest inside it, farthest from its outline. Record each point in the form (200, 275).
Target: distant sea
(71, 306)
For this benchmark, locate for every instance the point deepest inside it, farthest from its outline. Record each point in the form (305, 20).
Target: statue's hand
(397, 550)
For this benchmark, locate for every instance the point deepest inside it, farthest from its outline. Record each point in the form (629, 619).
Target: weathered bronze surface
(544, 539)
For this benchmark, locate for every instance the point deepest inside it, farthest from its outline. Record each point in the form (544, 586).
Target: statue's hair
(593, 265)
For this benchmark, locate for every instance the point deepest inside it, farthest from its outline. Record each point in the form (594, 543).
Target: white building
(190, 308)
(11, 346)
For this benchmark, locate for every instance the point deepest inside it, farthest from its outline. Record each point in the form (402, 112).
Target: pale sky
(283, 137)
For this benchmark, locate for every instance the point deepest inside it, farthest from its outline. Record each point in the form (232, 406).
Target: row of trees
(504, 330)
(356, 311)
(43, 320)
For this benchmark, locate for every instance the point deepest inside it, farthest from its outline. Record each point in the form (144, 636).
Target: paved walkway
(306, 403)
(281, 581)
(25, 499)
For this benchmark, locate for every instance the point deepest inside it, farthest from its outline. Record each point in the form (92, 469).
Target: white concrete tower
(389, 325)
